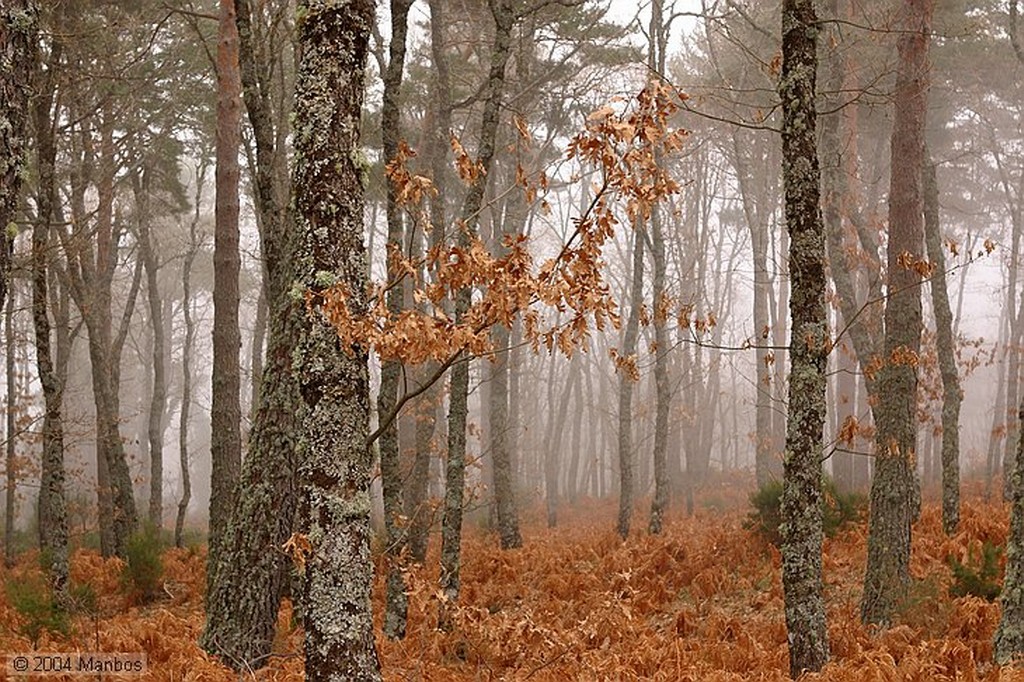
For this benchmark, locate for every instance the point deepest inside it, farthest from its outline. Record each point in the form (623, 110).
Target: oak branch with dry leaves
(621, 141)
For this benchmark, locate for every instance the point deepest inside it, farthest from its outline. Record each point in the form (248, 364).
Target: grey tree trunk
(335, 459)
(91, 274)
(10, 461)
(53, 520)
(658, 36)
(893, 490)
(809, 347)
(225, 408)
(244, 595)
(1008, 641)
(663, 394)
(625, 415)
(19, 25)
(148, 249)
(396, 602)
(455, 466)
(186, 361)
(951, 394)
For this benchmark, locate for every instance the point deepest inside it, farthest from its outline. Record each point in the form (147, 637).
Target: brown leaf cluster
(626, 145)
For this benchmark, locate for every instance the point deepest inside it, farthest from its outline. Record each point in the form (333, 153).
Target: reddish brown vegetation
(702, 602)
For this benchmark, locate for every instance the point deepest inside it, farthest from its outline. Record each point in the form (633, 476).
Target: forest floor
(702, 602)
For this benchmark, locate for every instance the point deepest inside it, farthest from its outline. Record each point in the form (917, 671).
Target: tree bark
(148, 249)
(53, 521)
(19, 24)
(225, 408)
(186, 360)
(951, 394)
(892, 490)
(244, 596)
(396, 603)
(334, 381)
(1008, 641)
(625, 415)
(809, 346)
(11, 472)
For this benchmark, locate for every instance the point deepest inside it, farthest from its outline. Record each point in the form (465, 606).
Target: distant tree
(187, 348)
(945, 342)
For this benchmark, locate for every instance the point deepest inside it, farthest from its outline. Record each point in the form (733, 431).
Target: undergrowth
(700, 602)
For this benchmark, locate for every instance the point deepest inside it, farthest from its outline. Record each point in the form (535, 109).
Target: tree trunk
(186, 360)
(625, 415)
(809, 347)
(334, 381)
(951, 395)
(53, 521)
(397, 603)
(19, 24)
(11, 468)
(1008, 642)
(225, 408)
(244, 595)
(663, 395)
(892, 490)
(148, 249)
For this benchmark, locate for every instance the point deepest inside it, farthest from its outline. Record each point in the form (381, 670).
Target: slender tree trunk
(53, 521)
(625, 415)
(335, 460)
(148, 250)
(186, 361)
(397, 603)
(663, 395)
(225, 409)
(11, 472)
(951, 395)
(892, 491)
(809, 347)
(553, 442)
(997, 432)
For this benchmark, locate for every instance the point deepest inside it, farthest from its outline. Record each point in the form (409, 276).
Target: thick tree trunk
(19, 24)
(334, 381)
(225, 408)
(1008, 642)
(951, 395)
(244, 595)
(893, 490)
(809, 347)
(397, 604)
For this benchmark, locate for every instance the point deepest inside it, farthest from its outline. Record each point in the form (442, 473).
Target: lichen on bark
(809, 347)
(334, 468)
